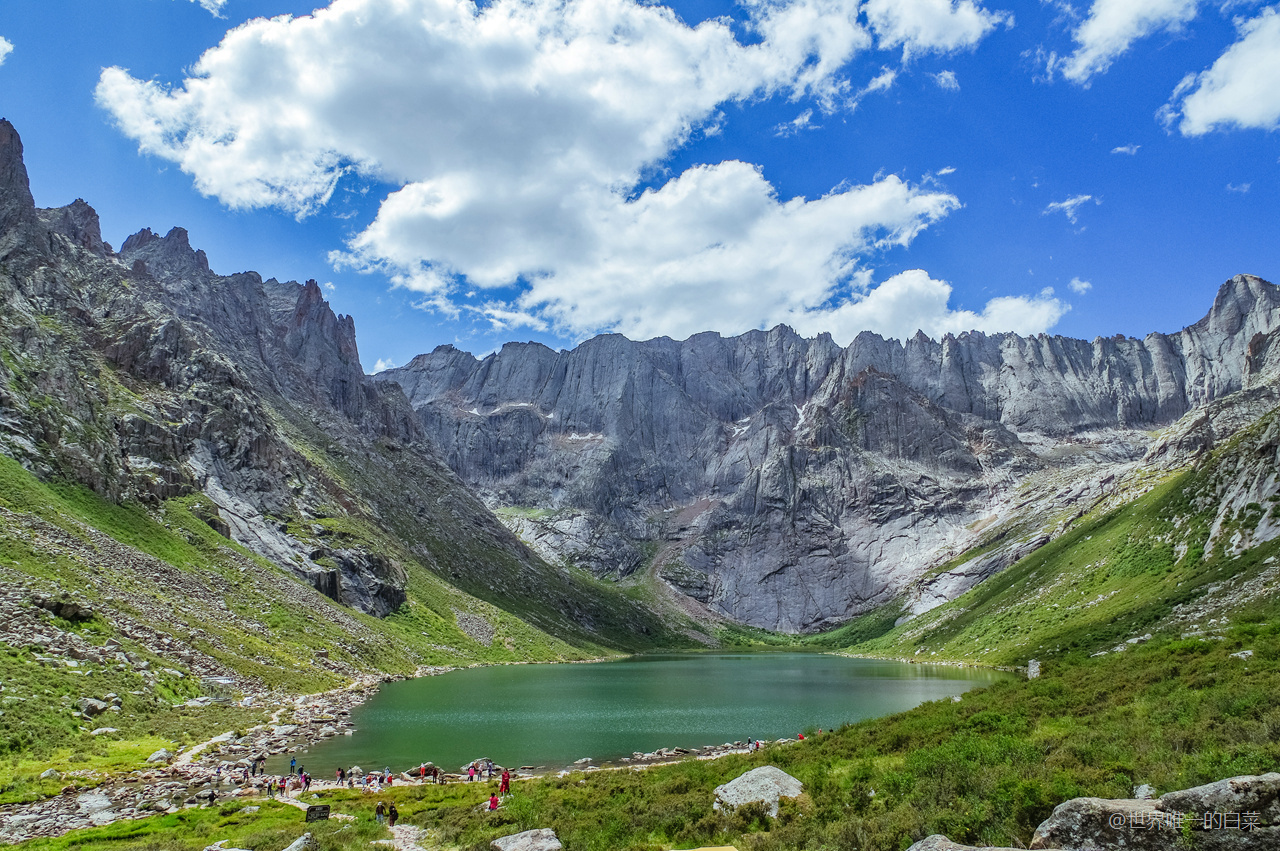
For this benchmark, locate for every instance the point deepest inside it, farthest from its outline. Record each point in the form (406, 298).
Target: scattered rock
(1033, 669)
(92, 707)
(542, 839)
(766, 784)
(50, 774)
(305, 842)
(102, 731)
(161, 755)
(1243, 654)
(1144, 792)
(938, 842)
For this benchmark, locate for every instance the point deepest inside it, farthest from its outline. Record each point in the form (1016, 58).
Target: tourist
(271, 788)
(504, 788)
(471, 773)
(493, 803)
(380, 812)
(392, 814)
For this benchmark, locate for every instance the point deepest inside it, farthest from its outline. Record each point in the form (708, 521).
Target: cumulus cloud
(1069, 206)
(947, 80)
(1079, 287)
(1242, 188)
(911, 301)
(383, 364)
(940, 26)
(1239, 90)
(1126, 149)
(1112, 26)
(6, 47)
(519, 134)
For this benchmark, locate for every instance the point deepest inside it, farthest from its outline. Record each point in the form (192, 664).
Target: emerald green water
(551, 715)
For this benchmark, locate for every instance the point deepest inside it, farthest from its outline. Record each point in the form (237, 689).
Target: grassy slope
(1114, 576)
(273, 640)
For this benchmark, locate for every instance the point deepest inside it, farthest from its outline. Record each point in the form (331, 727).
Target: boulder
(50, 774)
(1236, 814)
(92, 707)
(1101, 823)
(1247, 794)
(542, 839)
(938, 842)
(161, 755)
(305, 842)
(766, 785)
(103, 731)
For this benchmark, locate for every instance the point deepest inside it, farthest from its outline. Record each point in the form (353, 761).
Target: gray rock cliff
(791, 483)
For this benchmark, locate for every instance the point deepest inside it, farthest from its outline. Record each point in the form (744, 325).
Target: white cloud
(1242, 188)
(911, 301)
(1069, 206)
(716, 248)
(6, 47)
(922, 26)
(383, 364)
(1079, 287)
(947, 80)
(1112, 26)
(214, 7)
(328, 285)
(1240, 89)
(1126, 149)
(518, 133)
(803, 121)
(942, 172)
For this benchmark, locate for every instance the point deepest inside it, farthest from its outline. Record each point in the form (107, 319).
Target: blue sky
(547, 171)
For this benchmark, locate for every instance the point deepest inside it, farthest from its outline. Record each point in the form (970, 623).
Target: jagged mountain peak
(79, 223)
(169, 256)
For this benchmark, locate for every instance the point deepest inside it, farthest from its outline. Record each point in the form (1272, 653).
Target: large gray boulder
(1236, 814)
(1248, 794)
(542, 839)
(1099, 823)
(766, 785)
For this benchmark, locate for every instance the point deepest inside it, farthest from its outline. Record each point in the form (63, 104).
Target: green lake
(551, 715)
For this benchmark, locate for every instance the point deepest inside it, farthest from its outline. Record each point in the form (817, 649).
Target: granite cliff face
(147, 377)
(791, 483)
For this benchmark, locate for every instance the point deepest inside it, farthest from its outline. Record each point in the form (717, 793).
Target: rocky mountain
(148, 378)
(792, 484)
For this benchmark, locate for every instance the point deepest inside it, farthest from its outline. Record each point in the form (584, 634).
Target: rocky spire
(17, 207)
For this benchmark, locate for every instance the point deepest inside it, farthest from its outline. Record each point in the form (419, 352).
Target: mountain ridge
(807, 466)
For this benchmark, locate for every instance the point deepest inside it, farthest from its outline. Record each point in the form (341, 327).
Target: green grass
(272, 827)
(986, 770)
